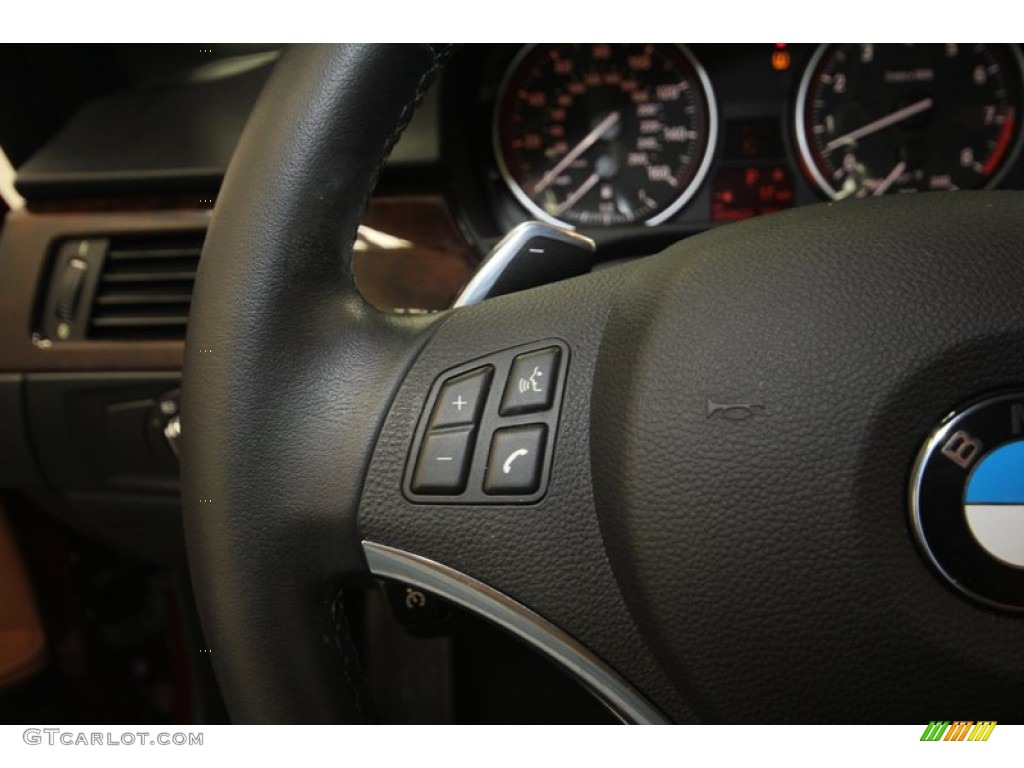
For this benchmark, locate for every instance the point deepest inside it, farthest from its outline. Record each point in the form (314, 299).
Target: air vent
(145, 288)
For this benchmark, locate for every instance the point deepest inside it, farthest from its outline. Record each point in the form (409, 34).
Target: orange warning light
(780, 60)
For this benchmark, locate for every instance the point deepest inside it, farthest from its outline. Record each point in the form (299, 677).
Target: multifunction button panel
(488, 430)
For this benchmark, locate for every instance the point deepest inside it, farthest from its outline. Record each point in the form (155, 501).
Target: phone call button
(515, 460)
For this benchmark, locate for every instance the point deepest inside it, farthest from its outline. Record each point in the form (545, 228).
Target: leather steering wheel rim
(275, 283)
(743, 569)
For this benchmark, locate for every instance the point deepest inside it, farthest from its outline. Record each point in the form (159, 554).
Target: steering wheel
(709, 522)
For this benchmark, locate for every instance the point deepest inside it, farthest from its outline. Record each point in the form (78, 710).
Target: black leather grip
(288, 374)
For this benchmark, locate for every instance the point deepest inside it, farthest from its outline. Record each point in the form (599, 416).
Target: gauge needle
(586, 143)
(581, 190)
(881, 123)
(887, 182)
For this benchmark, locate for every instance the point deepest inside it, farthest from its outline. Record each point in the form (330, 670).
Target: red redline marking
(1001, 146)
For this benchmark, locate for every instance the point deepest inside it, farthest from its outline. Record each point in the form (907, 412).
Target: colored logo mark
(967, 500)
(994, 503)
(961, 730)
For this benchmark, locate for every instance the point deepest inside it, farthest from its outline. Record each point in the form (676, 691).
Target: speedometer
(874, 119)
(604, 134)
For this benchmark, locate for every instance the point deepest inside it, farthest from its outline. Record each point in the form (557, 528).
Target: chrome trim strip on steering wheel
(615, 693)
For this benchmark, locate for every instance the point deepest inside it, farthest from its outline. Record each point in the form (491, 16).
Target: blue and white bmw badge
(967, 500)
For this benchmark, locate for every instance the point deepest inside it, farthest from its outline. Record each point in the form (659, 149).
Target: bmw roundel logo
(967, 500)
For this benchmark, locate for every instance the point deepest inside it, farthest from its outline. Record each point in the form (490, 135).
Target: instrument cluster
(603, 137)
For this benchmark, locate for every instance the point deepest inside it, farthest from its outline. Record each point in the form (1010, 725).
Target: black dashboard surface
(167, 119)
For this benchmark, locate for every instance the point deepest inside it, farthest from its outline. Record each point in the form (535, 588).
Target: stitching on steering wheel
(351, 667)
(440, 52)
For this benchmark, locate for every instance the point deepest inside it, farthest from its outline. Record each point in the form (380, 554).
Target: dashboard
(119, 153)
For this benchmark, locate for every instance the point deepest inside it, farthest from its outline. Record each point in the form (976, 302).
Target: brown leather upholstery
(22, 640)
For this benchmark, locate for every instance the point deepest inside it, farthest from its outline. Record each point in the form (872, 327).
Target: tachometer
(604, 134)
(873, 118)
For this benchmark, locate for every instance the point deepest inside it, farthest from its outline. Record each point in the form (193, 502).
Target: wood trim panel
(421, 262)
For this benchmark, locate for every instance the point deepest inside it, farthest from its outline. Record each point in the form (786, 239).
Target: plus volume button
(461, 399)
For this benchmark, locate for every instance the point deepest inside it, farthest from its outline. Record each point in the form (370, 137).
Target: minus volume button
(443, 463)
